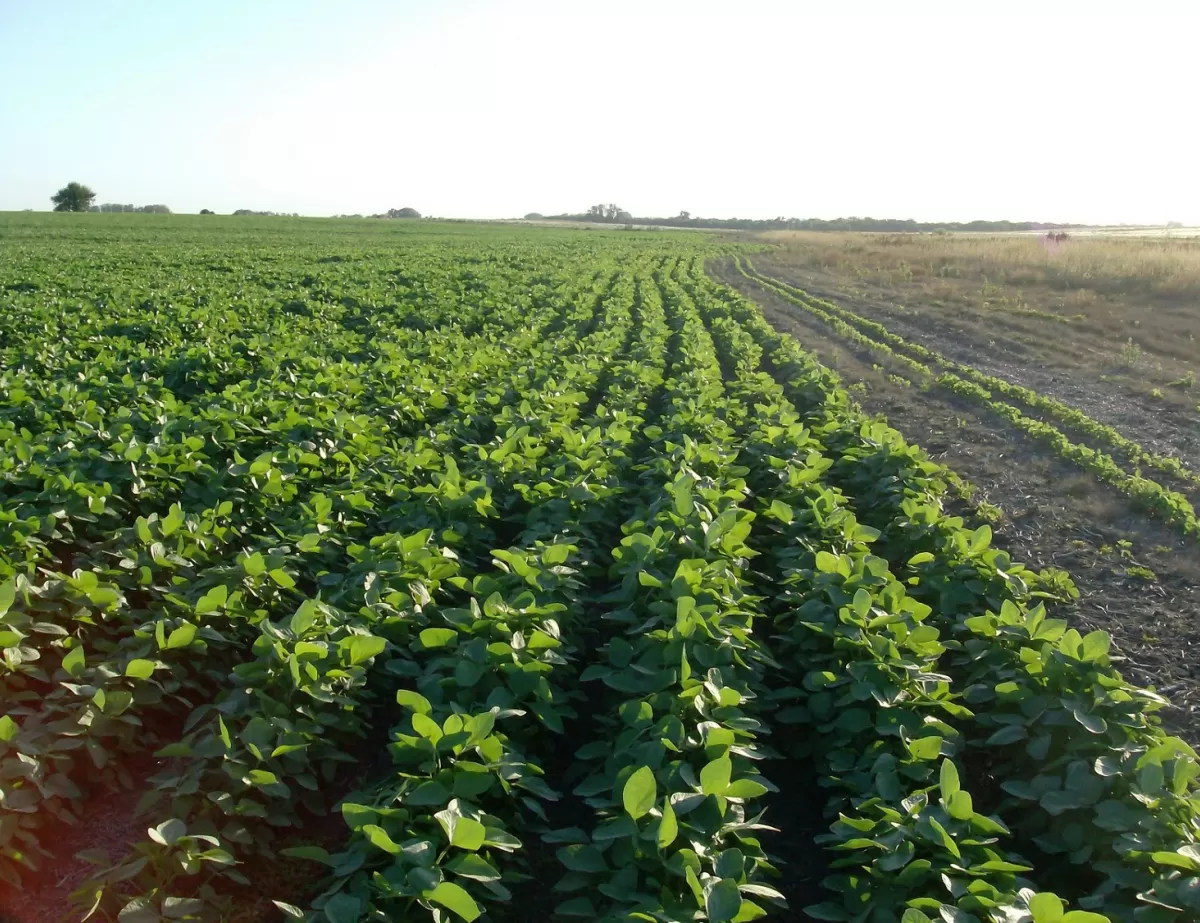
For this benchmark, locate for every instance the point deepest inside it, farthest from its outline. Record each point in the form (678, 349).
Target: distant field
(361, 570)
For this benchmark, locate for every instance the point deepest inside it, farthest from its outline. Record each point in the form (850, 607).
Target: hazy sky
(1043, 111)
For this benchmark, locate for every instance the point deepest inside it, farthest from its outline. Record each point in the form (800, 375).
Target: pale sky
(1054, 111)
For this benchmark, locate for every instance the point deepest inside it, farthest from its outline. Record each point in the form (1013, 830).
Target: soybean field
(361, 570)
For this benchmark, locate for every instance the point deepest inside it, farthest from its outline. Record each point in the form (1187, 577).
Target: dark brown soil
(1055, 515)
(109, 824)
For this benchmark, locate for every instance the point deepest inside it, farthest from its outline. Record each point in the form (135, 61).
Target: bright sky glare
(1055, 111)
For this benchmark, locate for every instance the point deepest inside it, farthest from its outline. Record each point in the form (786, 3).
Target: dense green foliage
(377, 519)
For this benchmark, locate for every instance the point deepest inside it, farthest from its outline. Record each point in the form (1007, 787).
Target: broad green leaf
(168, 832)
(468, 834)
(378, 837)
(177, 908)
(313, 853)
(668, 827)
(472, 865)
(139, 910)
(948, 780)
(437, 637)
(925, 748)
(75, 661)
(8, 728)
(723, 901)
(413, 700)
(639, 793)
(746, 789)
(213, 600)
(582, 857)
(181, 636)
(139, 669)
(1046, 908)
(714, 777)
(454, 898)
(363, 647)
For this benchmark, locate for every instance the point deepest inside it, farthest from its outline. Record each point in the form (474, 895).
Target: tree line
(613, 214)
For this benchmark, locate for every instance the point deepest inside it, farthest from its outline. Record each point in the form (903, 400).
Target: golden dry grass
(1162, 268)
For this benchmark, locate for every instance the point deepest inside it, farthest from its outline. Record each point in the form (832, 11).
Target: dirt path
(1054, 516)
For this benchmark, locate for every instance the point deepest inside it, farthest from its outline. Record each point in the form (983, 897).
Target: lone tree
(73, 197)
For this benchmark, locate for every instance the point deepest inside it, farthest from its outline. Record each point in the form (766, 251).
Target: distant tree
(606, 212)
(403, 213)
(205, 211)
(73, 197)
(534, 216)
(685, 216)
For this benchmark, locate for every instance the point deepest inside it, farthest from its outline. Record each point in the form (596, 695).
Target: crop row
(601, 507)
(1169, 505)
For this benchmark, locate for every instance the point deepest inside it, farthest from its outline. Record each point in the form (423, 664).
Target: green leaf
(639, 793)
(454, 898)
(745, 788)
(437, 637)
(8, 593)
(426, 727)
(139, 669)
(948, 780)
(714, 777)
(139, 910)
(75, 661)
(960, 806)
(168, 832)
(723, 901)
(378, 837)
(925, 748)
(254, 564)
(363, 647)
(414, 701)
(582, 857)
(1046, 908)
(213, 600)
(468, 834)
(313, 853)
(429, 793)
(912, 915)
(181, 636)
(282, 578)
(472, 865)
(176, 908)
(8, 728)
(668, 827)
(344, 908)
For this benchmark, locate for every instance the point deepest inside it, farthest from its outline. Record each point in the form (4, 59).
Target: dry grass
(1127, 308)
(1160, 268)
